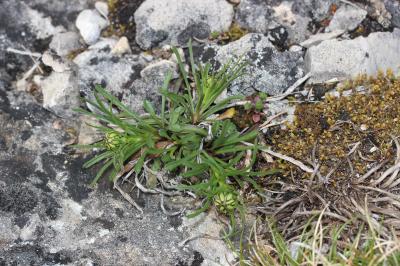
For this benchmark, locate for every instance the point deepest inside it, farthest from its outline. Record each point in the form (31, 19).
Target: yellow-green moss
(336, 124)
(234, 33)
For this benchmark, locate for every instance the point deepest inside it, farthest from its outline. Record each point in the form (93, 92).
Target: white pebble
(90, 23)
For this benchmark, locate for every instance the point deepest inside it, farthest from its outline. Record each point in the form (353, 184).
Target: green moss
(334, 125)
(234, 33)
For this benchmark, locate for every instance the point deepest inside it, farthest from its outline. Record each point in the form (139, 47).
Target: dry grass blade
(326, 213)
(288, 203)
(371, 172)
(126, 196)
(389, 182)
(386, 174)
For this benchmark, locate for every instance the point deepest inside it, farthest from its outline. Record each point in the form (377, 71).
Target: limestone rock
(348, 58)
(295, 16)
(269, 70)
(393, 7)
(160, 22)
(347, 18)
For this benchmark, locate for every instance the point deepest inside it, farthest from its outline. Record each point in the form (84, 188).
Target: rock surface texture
(295, 16)
(175, 21)
(348, 58)
(269, 70)
(347, 17)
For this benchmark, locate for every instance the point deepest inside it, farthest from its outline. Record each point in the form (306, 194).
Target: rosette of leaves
(188, 135)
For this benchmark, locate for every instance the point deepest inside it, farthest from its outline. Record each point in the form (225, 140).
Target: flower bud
(225, 202)
(112, 140)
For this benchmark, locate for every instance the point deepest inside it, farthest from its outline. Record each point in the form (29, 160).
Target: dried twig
(327, 213)
(301, 165)
(142, 188)
(370, 172)
(386, 174)
(15, 51)
(389, 182)
(184, 242)
(126, 196)
(289, 90)
(168, 213)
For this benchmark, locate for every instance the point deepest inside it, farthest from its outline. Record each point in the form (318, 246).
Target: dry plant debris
(351, 141)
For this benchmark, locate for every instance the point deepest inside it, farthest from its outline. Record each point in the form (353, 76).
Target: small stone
(64, 43)
(295, 48)
(347, 18)
(102, 8)
(90, 24)
(56, 63)
(121, 47)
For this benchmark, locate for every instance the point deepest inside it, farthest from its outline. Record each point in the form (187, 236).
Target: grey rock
(347, 18)
(64, 43)
(23, 27)
(205, 224)
(90, 24)
(320, 37)
(296, 16)
(148, 86)
(173, 22)
(255, 15)
(378, 11)
(348, 58)
(120, 75)
(62, 13)
(60, 93)
(41, 24)
(269, 70)
(393, 7)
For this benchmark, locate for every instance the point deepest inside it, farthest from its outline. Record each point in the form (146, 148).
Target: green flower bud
(225, 202)
(259, 105)
(263, 96)
(247, 106)
(113, 139)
